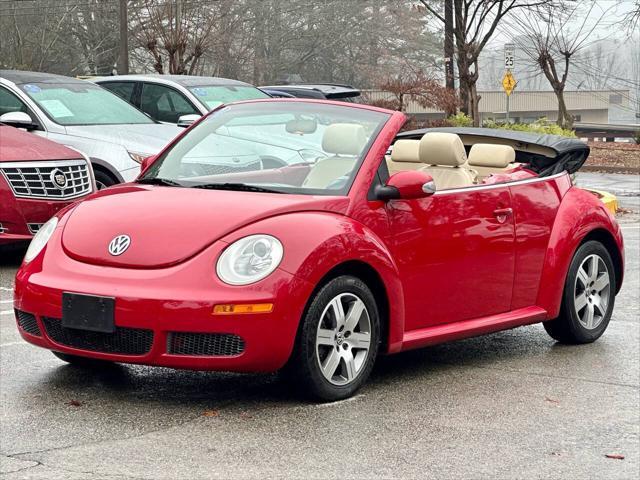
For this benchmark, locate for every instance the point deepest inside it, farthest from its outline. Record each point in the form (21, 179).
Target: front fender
(316, 242)
(579, 214)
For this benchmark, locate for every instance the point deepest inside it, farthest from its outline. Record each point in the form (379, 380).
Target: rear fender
(580, 214)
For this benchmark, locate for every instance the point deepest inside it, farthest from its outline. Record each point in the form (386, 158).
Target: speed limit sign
(509, 56)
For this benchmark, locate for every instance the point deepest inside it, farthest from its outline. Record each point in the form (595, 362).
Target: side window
(122, 89)
(10, 103)
(164, 103)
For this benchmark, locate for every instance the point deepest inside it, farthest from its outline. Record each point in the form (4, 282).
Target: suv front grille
(28, 323)
(204, 344)
(57, 180)
(125, 341)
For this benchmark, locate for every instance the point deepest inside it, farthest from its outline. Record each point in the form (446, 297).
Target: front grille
(58, 180)
(126, 341)
(205, 344)
(34, 227)
(28, 323)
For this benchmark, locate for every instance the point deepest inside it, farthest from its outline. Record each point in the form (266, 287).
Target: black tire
(103, 180)
(569, 326)
(82, 361)
(304, 368)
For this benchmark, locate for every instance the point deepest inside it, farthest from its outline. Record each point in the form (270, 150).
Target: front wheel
(588, 297)
(338, 340)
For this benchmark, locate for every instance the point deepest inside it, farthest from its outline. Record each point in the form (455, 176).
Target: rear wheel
(588, 297)
(81, 361)
(338, 340)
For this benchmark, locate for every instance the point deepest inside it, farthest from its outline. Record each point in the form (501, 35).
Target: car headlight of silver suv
(40, 239)
(249, 259)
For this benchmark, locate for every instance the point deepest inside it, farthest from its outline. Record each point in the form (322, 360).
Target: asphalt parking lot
(510, 405)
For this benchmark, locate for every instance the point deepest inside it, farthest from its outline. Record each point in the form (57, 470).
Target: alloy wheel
(591, 292)
(343, 339)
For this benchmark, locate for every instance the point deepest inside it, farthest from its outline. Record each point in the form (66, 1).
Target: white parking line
(12, 343)
(6, 312)
(6, 289)
(6, 301)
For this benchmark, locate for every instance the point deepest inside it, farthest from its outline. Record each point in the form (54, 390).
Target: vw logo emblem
(119, 245)
(58, 178)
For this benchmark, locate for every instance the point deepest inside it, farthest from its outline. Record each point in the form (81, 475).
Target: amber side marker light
(233, 309)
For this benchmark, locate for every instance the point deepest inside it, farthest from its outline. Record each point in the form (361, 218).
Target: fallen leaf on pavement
(551, 400)
(210, 413)
(245, 415)
(615, 456)
(74, 403)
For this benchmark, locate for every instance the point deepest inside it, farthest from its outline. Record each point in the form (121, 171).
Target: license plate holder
(88, 312)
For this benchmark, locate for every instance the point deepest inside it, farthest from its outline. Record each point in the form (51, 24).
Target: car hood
(168, 225)
(145, 138)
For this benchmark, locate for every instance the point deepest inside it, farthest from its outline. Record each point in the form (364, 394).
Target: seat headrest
(440, 148)
(405, 151)
(488, 155)
(344, 139)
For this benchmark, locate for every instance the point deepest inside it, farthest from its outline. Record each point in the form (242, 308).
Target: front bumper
(173, 305)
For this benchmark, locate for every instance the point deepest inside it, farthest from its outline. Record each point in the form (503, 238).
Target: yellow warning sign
(508, 83)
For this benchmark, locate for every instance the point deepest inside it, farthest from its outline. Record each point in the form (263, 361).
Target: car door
(164, 104)
(455, 254)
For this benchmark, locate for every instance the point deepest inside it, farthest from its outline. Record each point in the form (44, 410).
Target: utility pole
(123, 57)
(448, 47)
(178, 15)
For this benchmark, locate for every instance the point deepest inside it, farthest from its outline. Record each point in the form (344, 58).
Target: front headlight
(138, 157)
(40, 239)
(249, 259)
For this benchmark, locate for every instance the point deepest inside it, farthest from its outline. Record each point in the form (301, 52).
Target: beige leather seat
(345, 142)
(445, 157)
(486, 158)
(404, 156)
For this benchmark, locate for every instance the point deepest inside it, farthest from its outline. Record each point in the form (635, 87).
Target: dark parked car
(328, 91)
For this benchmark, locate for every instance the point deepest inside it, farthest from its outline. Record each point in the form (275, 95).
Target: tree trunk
(474, 104)
(565, 119)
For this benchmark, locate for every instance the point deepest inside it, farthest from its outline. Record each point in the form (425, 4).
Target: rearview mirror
(407, 185)
(186, 120)
(18, 120)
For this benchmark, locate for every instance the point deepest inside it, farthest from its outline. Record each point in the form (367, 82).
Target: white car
(114, 135)
(178, 99)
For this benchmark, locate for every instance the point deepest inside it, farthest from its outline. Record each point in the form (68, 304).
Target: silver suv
(114, 135)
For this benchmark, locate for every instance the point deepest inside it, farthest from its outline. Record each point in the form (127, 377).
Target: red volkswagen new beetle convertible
(281, 233)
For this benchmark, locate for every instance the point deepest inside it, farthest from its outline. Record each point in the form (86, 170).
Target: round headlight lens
(40, 239)
(249, 259)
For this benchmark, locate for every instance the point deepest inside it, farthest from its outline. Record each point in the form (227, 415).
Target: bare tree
(475, 22)
(553, 45)
(176, 37)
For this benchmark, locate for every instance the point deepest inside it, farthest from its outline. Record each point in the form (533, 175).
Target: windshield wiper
(241, 187)
(159, 181)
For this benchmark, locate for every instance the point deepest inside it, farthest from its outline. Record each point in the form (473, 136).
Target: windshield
(212, 96)
(82, 104)
(286, 147)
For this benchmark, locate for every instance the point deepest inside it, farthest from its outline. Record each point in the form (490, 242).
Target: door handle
(502, 214)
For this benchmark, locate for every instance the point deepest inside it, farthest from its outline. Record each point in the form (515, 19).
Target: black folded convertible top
(569, 153)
